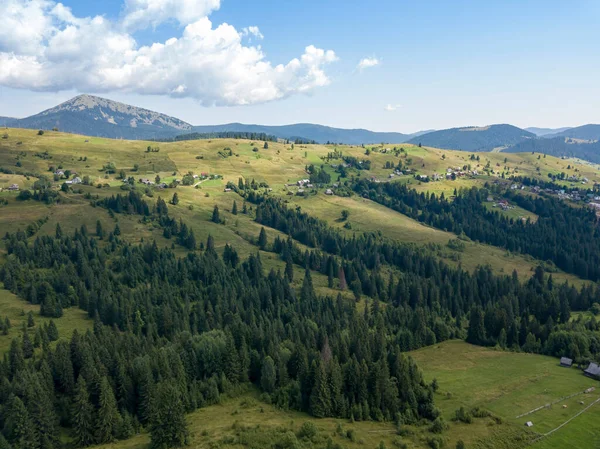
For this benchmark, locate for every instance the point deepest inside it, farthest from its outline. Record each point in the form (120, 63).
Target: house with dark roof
(593, 371)
(566, 362)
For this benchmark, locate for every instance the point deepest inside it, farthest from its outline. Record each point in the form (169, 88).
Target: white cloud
(46, 48)
(392, 107)
(143, 13)
(366, 63)
(252, 31)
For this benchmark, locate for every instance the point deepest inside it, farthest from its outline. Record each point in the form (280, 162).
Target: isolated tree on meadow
(262, 238)
(216, 217)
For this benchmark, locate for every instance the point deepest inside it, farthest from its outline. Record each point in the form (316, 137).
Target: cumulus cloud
(44, 47)
(142, 13)
(366, 63)
(392, 107)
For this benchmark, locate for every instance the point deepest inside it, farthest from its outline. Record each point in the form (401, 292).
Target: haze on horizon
(398, 67)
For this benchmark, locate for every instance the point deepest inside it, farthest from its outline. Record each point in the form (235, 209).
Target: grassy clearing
(17, 309)
(510, 384)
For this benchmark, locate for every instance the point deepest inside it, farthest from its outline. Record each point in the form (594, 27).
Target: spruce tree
(234, 209)
(30, 320)
(82, 415)
(320, 398)
(27, 345)
(18, 426)
(168, 427)
(216, 218)
(289, 267)
(52, 331)
(476, 332)
(108, 416)
(268, 375)
(262, 238)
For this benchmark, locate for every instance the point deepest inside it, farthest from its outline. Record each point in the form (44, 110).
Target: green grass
(16, 309)
(510, 384)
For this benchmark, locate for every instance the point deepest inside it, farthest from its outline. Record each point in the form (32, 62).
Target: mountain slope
(585, 132)
(4, 121)
(540, 132)
(559, 146)
(474, 138)
(95, 116)
(318, 133)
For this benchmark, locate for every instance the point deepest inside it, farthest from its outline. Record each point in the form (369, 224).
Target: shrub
(438, 426)
(308, 430)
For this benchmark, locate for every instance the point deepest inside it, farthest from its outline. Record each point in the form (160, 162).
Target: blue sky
(441, 64)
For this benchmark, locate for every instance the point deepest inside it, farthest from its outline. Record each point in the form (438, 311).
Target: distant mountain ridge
(585, 132)
(95, 116)
(4, 121)
(309, 131)
(474, 138)
(540, 132)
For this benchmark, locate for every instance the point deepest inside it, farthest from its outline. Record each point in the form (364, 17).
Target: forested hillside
(559, 147)
(475, 138)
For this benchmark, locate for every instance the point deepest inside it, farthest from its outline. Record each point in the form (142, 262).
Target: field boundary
(550, 404)
(566, 422)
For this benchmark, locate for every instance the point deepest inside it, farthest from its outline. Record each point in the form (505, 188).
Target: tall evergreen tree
(107, 420)
(168, 427)
(83, 415)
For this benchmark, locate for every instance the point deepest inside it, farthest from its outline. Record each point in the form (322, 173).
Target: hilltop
(474, 138)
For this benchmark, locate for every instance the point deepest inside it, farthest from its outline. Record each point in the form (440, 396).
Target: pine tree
(168, 427)
(3, 443)
(234, 209)
(268, 375)
(216, 218)
(27, 345)
(117, 230)
(262, 238)
(175, 200)
(52, 331)
(476, 332)
(83, 415)
(108, 415)
(58, 232)
(16, 361)
(289, 267)
(18, 426)
(30, 320)
(99, 230)
(320, 398)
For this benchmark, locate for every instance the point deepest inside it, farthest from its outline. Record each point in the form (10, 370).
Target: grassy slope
(509, 384)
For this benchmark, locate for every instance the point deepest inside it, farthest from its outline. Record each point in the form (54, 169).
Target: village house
(328, 192)
(14, 187)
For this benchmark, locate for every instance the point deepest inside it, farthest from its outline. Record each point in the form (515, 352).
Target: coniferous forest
(183, 331)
